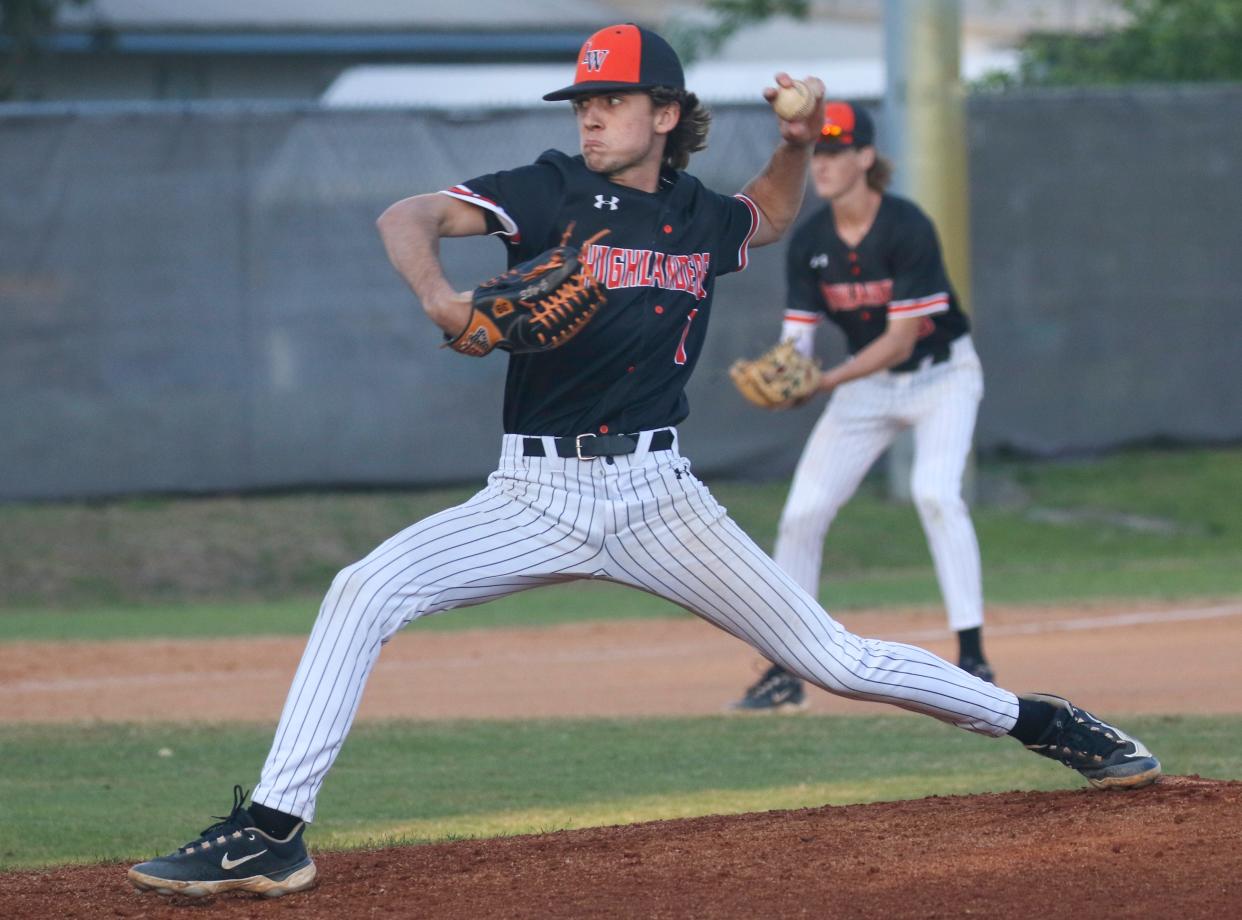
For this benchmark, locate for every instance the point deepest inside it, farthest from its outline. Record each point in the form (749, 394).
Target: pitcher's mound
(1170, 850)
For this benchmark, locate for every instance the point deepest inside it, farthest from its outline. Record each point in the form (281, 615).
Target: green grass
(1143, 524)
(409, 781)
(1134, 525)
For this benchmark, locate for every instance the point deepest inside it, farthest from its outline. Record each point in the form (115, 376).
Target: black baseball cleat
(232, 855)
(1106, 756)
(776, 691)
(977, 667)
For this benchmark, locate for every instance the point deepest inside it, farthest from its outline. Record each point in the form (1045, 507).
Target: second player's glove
(780, 378)
(537, 305)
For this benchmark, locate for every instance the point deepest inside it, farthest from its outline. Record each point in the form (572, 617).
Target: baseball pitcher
(602, 330)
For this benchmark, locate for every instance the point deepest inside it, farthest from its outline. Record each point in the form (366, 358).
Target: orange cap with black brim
(845, 126)
(623, 57)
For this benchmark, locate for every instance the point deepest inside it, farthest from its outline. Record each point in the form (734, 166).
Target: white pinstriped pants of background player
(642, 520)
(939, 402)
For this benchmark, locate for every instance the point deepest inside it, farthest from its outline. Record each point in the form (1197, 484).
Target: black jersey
(627, 369)
(895, 270)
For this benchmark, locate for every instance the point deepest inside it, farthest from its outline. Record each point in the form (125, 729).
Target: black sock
(272, 822)
(970, 643)
(1034, 717)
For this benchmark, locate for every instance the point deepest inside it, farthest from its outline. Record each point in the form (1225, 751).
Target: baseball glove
(780, 378)
(537, 305)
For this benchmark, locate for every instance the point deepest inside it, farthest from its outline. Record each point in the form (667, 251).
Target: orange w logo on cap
(839, 121)
(593, 60)
(611, 55)
(845, 125)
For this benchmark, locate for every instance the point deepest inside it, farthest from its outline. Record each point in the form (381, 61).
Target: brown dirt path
(1167, 851)
(1114, 658)
(1170, 850)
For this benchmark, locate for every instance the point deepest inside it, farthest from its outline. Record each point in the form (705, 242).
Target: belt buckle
(578, 446)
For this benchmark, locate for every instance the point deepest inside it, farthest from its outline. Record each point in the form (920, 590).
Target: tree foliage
(696, 40)
(24, 24)
(1164, 41)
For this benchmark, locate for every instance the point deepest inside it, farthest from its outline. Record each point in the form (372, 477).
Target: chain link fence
(194, 299)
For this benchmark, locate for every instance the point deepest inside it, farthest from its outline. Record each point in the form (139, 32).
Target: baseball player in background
(870, 262)
(591, 481)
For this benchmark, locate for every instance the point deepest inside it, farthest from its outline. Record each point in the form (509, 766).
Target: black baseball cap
(623, 57)
(845, 126)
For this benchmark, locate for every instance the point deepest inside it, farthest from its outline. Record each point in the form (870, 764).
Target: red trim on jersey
(742, 251)
(811, 319)
(936, 303)
(464, 193)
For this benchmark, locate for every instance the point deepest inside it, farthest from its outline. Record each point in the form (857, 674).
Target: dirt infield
(1112, 659)
(1167, 851)
(1170, 850)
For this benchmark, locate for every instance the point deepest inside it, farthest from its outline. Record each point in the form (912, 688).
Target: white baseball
(795, 102)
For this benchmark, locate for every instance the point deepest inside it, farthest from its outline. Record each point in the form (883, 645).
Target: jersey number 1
(681, 346)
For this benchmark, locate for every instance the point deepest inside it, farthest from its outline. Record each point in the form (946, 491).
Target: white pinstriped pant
(643, 521)
(864, 416)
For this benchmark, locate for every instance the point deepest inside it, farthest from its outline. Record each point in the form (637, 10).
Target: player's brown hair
(690, 135)
(880, 174)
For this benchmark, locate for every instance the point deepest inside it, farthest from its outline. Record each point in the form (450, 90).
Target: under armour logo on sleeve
(820, 260)
(611, 203)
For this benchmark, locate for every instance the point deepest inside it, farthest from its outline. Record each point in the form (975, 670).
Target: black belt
(590, 446)
(939, 356)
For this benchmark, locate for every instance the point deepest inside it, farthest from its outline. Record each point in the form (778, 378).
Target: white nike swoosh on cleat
(226, 864)
(1140, 749)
